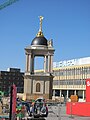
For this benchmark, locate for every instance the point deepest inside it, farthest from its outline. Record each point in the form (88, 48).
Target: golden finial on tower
(40, 33)
(41, 18)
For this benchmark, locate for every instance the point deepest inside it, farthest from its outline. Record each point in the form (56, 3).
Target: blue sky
(67, 22)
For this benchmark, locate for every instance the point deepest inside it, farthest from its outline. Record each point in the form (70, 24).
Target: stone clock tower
(39, 85)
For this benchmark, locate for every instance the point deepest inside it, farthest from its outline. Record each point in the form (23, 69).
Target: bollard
(59, 112)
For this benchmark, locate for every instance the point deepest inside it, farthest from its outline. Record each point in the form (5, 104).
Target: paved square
(58, 112)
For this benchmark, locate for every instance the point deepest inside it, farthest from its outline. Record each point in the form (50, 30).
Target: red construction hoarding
(80, 108)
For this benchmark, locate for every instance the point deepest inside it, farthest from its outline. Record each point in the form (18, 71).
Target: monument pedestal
(38, 86)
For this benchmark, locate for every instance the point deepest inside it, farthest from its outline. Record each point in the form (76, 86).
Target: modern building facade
(10, 77)
(70, 77)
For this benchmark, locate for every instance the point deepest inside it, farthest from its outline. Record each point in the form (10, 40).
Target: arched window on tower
(38, 87)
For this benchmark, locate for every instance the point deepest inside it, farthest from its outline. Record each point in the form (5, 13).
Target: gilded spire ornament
(40, 33)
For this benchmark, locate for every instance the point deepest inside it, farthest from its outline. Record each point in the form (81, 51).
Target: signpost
(13, 94)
